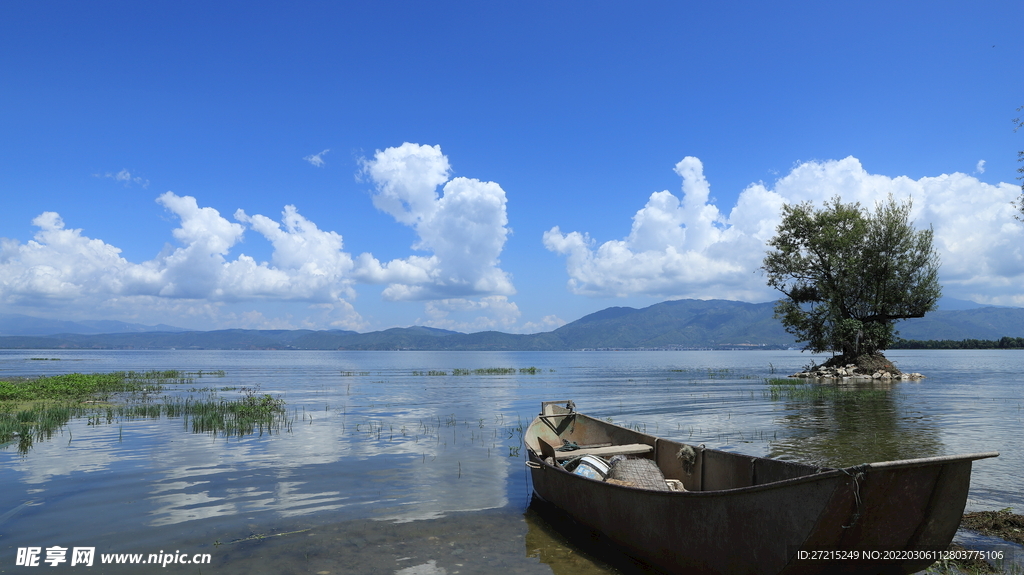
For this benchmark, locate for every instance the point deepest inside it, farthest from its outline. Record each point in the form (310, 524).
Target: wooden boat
(745, 514)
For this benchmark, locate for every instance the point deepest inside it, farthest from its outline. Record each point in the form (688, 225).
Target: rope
(568, 446)
(857, 473)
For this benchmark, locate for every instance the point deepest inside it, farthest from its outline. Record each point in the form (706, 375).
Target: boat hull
(746, 514)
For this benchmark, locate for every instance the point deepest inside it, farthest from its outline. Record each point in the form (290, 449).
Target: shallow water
(385, 468)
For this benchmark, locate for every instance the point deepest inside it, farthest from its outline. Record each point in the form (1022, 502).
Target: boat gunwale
(825, 473)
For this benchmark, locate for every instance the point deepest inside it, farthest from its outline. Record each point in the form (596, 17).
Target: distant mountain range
(17, 324)
(681, 324)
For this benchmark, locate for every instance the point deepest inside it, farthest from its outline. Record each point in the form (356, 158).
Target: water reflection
(384, 462)
(844, 424)
(570, 549)
(389, 471)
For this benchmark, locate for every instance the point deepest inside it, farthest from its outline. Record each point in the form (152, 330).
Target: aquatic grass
(37, 423)
(487, 371)
(234, 418)
(800, 390)
(783, 381)
(80, 386)
(255, 412)
(494, 371)
(161, 378)
(72, 386)
(28, 414)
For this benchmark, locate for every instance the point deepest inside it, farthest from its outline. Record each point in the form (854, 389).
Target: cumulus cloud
(125, 177)
(471, 315)
(62, 264)
(340, 315)
(59, 264)
(980, 168)
(683, 247)
(464, 228)
(676, 248)
(547, 323)
(317, 160)
(308, 262)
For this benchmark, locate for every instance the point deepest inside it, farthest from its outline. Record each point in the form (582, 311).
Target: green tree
(848, 275)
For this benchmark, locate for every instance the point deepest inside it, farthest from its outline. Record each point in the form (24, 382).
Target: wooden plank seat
(629, 449)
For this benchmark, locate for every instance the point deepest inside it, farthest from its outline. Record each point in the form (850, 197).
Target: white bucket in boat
(593, 467)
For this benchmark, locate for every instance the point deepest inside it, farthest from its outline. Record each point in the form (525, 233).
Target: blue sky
(471, 165)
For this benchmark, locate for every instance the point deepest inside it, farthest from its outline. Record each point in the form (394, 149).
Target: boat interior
(560, 437)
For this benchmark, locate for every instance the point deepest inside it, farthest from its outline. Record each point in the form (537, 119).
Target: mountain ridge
(674, 324)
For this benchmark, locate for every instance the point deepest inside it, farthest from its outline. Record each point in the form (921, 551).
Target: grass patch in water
(254, 412)
(35, 409)
(70, 387)
(76, 387)
(800, 390)
(486, 371)
(1003, 524)
(37, 423)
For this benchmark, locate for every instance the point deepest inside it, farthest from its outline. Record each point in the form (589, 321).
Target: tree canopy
(848, 275)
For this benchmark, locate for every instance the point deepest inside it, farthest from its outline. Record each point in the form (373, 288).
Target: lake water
(386, 468)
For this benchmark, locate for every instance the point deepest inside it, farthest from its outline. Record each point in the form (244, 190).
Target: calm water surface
(387, 469)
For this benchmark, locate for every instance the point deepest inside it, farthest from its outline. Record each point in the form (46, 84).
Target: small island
(868, 366)
(848, 275)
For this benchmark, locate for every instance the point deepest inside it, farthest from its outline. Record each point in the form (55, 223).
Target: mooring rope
(857, 473)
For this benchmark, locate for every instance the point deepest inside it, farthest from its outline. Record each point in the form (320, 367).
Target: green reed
(483, 371)
(801, 390)
(81, 386)
(35, 409)
(38, 423)
(254, 413)
(68, 387)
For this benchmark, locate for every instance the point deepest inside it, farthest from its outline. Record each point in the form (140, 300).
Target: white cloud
(489, 313)
(197, 270)
(464, 228)
(63, 265)
(311, 260)
(675, 248)
(689, 248)
(317, 160)
(980, 168)
(60, 264)
(472, 315)
(126, 177)
(547, 323)
(340, 315)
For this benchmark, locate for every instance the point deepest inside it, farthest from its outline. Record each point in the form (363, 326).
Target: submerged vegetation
(34, 410)
(253, 413)
(1003, 523)
(802, 390)
(483, 371)
(72, 387)
(37, 423)
(38, 409)
(81, 386)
